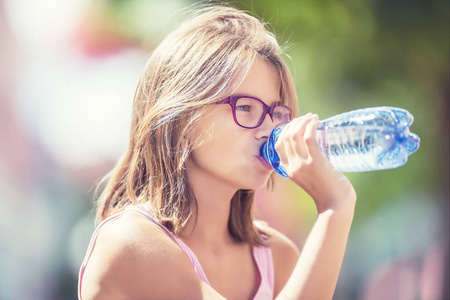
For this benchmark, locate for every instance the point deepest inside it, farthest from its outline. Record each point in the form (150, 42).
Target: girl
(176, 213)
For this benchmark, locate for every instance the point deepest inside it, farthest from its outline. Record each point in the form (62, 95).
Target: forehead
(262, 81)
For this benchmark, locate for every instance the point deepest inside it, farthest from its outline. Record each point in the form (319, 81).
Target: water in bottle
(367, 139)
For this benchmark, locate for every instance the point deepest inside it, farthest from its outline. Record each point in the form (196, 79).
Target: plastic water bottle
(368, 139)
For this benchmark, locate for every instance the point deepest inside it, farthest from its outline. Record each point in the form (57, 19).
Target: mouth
(264, 163)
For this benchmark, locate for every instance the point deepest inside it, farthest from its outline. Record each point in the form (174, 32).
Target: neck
(209, 224)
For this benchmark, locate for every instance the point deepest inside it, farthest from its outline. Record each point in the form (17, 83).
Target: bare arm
(317, 270)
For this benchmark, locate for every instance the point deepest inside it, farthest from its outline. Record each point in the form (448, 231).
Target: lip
(264, 163)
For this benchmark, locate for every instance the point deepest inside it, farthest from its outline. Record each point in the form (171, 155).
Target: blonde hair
(201, 62)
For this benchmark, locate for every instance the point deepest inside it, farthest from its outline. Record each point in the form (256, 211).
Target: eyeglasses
(250, 112)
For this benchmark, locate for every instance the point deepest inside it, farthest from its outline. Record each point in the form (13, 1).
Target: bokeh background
(68, 71)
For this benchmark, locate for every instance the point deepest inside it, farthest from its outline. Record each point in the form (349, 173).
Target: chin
(257, 181)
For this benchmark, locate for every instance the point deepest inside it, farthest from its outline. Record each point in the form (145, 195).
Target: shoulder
(285, 255)
(134, 258)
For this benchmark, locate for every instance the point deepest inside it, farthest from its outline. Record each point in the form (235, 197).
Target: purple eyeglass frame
(267, 109)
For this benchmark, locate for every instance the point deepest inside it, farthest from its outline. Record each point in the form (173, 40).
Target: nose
(266, 127)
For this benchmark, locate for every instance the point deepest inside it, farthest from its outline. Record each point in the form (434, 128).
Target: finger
(310, 136)
(284, 145)
(292, 137)
(294, 122)
(298, 136)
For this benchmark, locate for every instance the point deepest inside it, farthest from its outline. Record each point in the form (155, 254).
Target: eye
(277, 115)
(246, 108)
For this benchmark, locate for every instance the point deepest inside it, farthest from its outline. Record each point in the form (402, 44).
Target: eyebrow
(272, 103)
(276, 103)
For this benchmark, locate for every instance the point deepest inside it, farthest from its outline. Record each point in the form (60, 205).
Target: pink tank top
(261, 255)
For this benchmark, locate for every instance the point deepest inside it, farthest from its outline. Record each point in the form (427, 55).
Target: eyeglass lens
(249, 112)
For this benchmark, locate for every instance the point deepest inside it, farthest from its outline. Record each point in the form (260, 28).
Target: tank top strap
(91, 248)
(261, 255)
(264, 261)
(144, 211)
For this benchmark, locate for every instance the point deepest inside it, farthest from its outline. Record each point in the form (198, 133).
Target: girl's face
(228, 153)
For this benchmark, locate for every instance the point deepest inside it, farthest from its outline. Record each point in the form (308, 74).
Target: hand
(310, 169)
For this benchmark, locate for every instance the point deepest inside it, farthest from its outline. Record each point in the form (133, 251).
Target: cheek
(221, 151)
(215, 149)
(227, 159)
